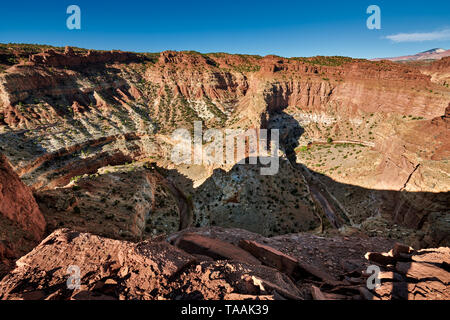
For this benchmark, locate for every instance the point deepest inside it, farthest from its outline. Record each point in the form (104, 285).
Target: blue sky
(285, 28)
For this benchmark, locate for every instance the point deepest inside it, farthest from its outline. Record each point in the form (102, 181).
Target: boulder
(214, 248)
(284, 263)
(380, 258)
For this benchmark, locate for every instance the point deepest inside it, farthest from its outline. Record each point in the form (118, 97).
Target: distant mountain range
(433, 54)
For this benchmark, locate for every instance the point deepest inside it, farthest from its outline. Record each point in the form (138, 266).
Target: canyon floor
(87, 178)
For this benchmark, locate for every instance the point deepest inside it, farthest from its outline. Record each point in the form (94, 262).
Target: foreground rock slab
(215, 268)
(114, 269)
(285, 263)
(214, 248)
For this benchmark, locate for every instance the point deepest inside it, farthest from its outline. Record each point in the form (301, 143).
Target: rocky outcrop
(443, 120)
(17, 202)
(146, 270)
(241, 196)
(22, 224)
(409, 145)
(414, 163)
(218, 269)
(121, 202)
(213, 248)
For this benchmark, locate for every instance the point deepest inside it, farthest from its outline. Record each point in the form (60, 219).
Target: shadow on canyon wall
(415, 210)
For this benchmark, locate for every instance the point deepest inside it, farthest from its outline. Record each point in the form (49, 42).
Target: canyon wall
(67, 113)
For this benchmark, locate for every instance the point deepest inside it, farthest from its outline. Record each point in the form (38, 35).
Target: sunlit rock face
(22, 224)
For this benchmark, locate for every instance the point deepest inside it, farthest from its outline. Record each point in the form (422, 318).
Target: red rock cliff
(17, 202)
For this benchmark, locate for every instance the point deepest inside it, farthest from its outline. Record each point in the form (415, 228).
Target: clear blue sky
(286, 28)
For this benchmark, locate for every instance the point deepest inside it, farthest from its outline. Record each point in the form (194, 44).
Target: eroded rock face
(17, 202)
(439, 71)
(121, 204)
(22, 224)
(413, 158)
